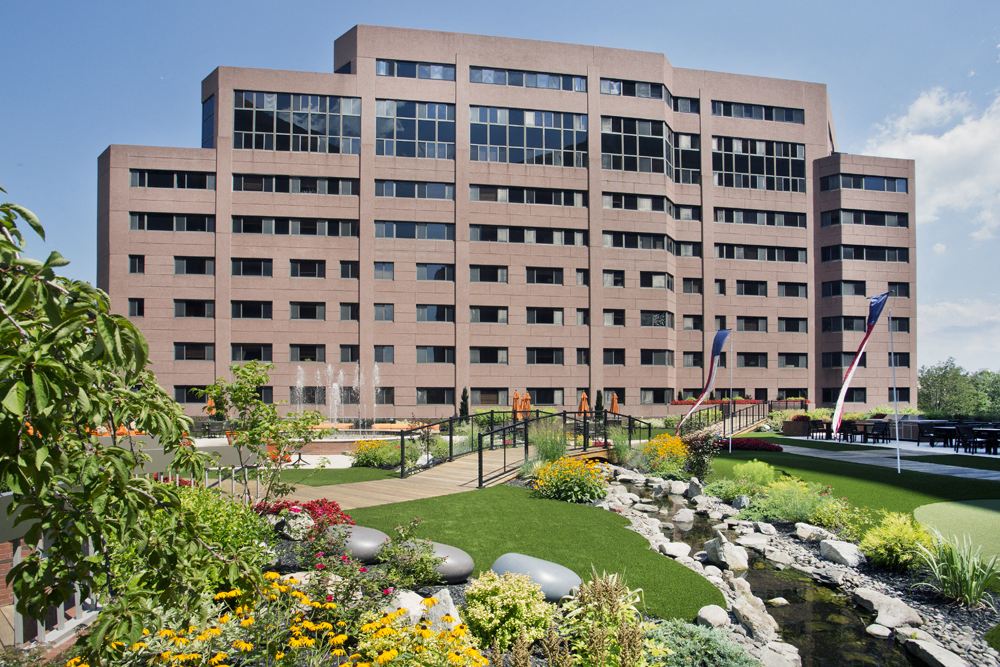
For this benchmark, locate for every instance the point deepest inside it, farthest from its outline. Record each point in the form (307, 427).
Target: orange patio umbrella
(584, 406)
(526, 402)
(515, 405)
(614, 403)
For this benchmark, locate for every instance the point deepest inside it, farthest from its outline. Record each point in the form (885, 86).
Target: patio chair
(848, 431)
(879, 432)
(968, 440)
(817, 427)
(925, 431)
(216, 429)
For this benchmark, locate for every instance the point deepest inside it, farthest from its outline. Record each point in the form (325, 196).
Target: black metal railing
(744, 417)
(708, 415)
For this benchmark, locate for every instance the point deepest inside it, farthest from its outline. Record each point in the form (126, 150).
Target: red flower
(329, 598)
(362, 569)
(320, 567)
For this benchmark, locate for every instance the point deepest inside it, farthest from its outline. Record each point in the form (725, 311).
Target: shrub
(957, 572)
(664, 456)
(749, 445)
(570, 479)
(671, 421)
(410, 562)
(549, 441)
(993, 637)
(675, 643)
(620, 443)
(841, 517)
(323, 512)
(500, 608)
(701, 450)
(731, 489)
(758, 472)
(893, 543)
(602, 623)
(790, 500)
(381, 454)
(800, 418)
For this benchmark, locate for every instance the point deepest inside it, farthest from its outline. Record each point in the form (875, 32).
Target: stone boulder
(725, 554)
(880, 631)
(754, 541)
(892, 612)
(778, 556)
(694, 488)
(645, 507)
(740, 502)
(933, 655)
(713, 616)
(779, 654)
(555, 580)
(674, 549)
(762, 627)
(678, 488)
(838, 551)
(810, 533)
(457, 565)
(444, 607)
(408, 600)
(362, 543)
(684, 516)
(765, 528)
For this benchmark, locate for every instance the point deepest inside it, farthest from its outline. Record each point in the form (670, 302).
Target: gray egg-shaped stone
(362, 543)
(555, 580)
(457, 565)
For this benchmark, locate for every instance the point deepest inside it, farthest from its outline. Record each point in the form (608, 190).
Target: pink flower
(362, 569)
(345, 558)
(329, 598)
(320, 554)
(321, 567)
(295, 509)
(388, 591)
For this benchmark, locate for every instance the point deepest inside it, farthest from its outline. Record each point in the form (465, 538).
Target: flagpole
(732, 403)
(895, 392)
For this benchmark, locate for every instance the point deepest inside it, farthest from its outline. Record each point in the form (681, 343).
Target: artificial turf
(490, 522)
(330, 476)
(993, 637)
(976, 518)
(828, 445)
(965, 461)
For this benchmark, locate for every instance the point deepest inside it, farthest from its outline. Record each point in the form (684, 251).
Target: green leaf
(16, 395)
(30, 218)
(55, 259)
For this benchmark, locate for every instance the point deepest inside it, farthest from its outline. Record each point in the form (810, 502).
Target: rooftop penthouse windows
(511, 195)
(295, 227)
(176, 180)
(834, 253)
(305, 185)
(519, 136)
(859, 182)
(872, 218)
(407, 69)
(415, 190)
(297, 123)
(758, 165)
(415, 129)
(521, 79)
(538, 235)
(632, 144)
(758, 112)
(753, 217)
(167, 222)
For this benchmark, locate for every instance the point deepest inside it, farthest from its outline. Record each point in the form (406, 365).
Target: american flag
(874, 311)
(717, 345)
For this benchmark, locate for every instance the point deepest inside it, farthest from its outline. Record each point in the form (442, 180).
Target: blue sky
(914, 79)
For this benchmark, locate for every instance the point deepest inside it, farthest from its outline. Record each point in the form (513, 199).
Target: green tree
(69, 367)
(987, 385)
(263, 437)
(946, 388)
(463, 408)
(599, 401)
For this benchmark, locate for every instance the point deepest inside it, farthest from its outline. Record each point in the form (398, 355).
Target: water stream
(819, 621)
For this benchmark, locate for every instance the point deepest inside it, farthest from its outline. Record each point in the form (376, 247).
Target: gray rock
(654, 481)
(892, 612)
(362, 543)
(715, 515)
(831, 576)
(740, 586)
(778, 654)
(713, 616)
(880, 631)
(409, 601)
(754, 541)
(702, 502)
(425, 460)
(838, 551)
(905, 632)
(765, 528)
(457, 565)
(762, 627)
(644, 507)
(629, 498)
(694, 488)
(810, 533)
(933, 655)
(555, 580)
(674, 549)
(712, 571)
(726, 554)
(740, 502)
(778, 556)
(684, 516)
(678, 488)
(444, 607)
(778, 602)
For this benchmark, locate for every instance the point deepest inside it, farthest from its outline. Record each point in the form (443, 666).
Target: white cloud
(967, 330)
(939, 248)
(957, 150)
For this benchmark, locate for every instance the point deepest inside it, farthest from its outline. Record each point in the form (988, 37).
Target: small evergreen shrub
(789, 500)
(755, 471)
(570, 479)
(675, 643)
(893, 543)
(501, 608)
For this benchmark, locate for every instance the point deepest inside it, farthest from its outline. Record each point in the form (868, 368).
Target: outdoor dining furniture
(848, 430)
(818, 427)
(946, 434)
(991, 439)
(925, 431)
(879, 432)
(967, 439)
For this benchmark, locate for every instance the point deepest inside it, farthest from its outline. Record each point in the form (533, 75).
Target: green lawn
(976, 518)
(977, 462)
(828, 445)
(329, 476)
(490, 522)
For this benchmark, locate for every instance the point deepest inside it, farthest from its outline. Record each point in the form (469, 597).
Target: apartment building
(449, 211)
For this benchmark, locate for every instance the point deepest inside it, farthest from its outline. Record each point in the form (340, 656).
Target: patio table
(946, 434)
(992, 438)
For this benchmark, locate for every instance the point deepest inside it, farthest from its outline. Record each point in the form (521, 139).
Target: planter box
(794, 428)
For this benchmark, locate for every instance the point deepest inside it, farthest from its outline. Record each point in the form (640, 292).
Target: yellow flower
(386, 656)
(429, 602)
(224, 619)
(219, 657)
(338, 651)
(279, 655)
(247, 622)
(166, 632)
(272, 576)
(138, 646)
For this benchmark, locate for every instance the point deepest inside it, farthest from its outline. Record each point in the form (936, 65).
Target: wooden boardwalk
(459, 476)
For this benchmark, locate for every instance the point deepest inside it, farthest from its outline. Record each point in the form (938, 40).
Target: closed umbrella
(584, 406)
(526, 403)
(515, 405)
(614, 403)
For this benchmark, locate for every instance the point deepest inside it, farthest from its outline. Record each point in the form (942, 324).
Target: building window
(611, 392)
(311, 268)
(540, 196)
(785, 394)
(835, 253)
(795, 290)
(297, 185)
(859, 182)
(793, 360)
(194, 352)
(614, 278)
(543, 275)
(751, 360)
(350, 354)
(307, 353)
(751, 288)
(415, 129)
(208, 123)
(633, 144)
(760, 253)
(871, 218)
(658, 396)
(844, 323)
(899, 324)
(307, 395)
(656, 318)
(545, 316)
(348, 396)
(171, 180)
(435, 396)
(408, 69)
(614, 317)
(252, 266)
(251, 352)
(443, 272)
(530, 235)
(168, 222)
(295, 227)
(384, 270)
(545, 355)
(385, 395)
(853, 395)
(758, 165)
(190, 394)
(583, 317)
(434, 231)
(843, 288)
(136, 307)
(546, 396)
(758, 112)
(194, 266)
(652, 279)
(901, 290)
(479, 273)
(137, 264)
(435, 354)
(384, 312)
(384, 354)
(487, 314)
(754, 217)
(657, 357)
(755, 324)
(720, 287)
(650, 242)
(415, 190)
(614, 356)
(488, 355)
(692, 285)
(902, 393)
(583, 356)
(692, 323)
(720, 322)
(488, 396)
(349, 312)
(633, 202)
(194, 308)
(307, 310)
(582, 277)
(297, 123)
(349, 270)
(519, 78)
(520, 136)
(793, 325)
(843, 359)
(251, 310)
(901, 360)
(436, 313)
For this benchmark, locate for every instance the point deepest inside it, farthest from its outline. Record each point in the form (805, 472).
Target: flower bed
(324, 513)
(749, 445)
(738, 401)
